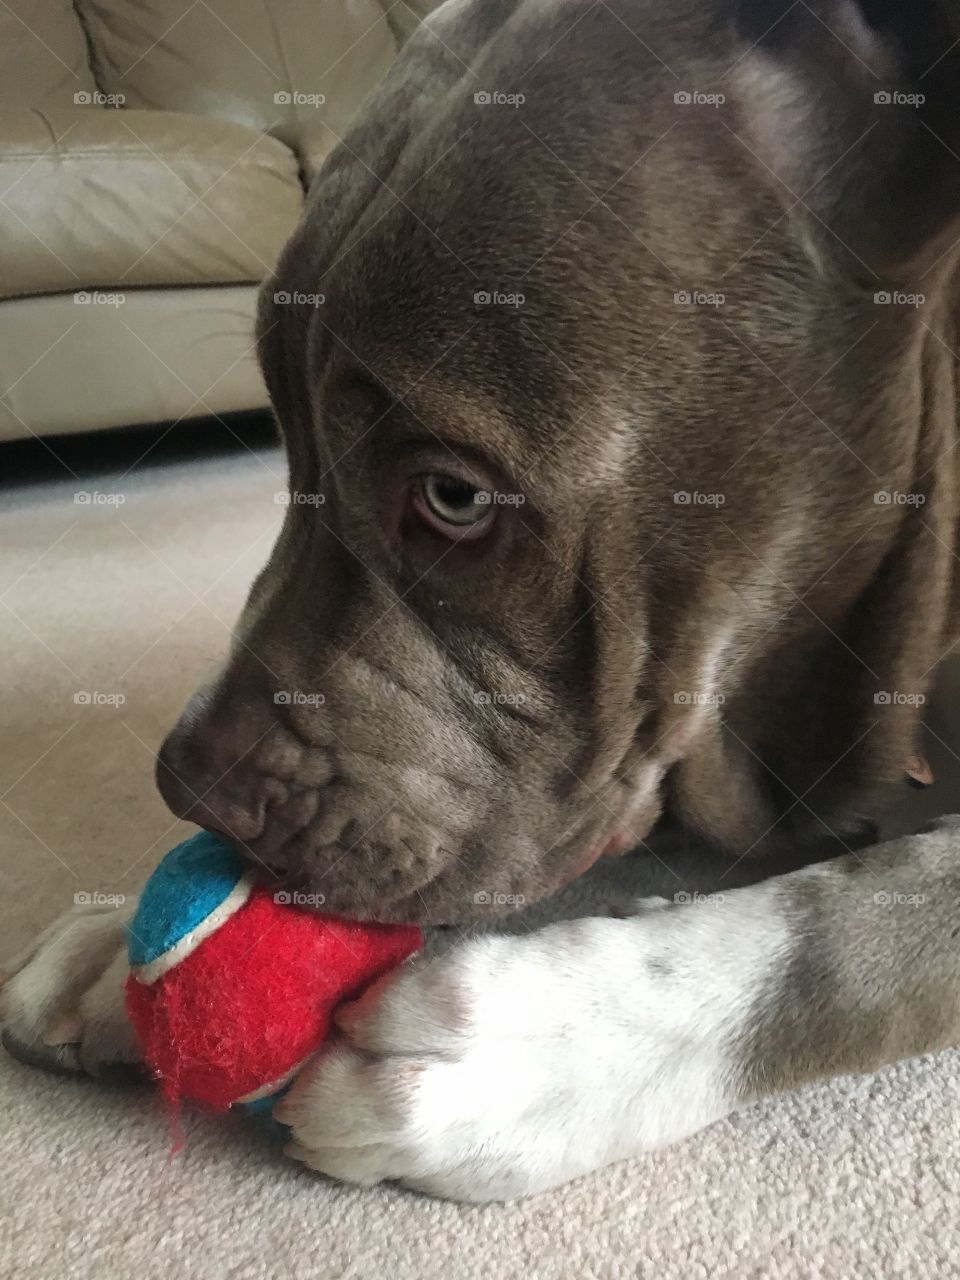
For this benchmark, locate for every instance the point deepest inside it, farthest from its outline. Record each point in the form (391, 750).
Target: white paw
(512, 1064)
(62, 1003)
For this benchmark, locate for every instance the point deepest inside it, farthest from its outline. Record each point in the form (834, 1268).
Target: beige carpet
(856, 1178)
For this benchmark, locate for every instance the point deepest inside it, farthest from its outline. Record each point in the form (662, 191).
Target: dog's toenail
(67, 1029)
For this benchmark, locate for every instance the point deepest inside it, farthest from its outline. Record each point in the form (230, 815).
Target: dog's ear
(855, 106)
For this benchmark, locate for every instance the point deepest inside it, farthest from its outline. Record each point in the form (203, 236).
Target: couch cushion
(121, 199)
(161, 354)
(298, 68)
(43, 56)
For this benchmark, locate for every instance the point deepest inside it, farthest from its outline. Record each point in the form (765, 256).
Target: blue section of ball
(191, 881)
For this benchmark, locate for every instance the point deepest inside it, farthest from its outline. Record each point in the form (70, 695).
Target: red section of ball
(256, 997)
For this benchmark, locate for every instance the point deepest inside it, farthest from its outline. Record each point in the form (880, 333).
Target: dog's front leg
(514, 1063)
(872, 972)
(511, 1064)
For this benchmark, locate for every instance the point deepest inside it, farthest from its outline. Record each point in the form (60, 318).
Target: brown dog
(614, 358)
(691, 592)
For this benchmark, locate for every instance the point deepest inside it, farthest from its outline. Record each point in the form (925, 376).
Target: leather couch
(154, 156)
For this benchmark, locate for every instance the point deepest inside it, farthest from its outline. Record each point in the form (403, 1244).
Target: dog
(624, 478)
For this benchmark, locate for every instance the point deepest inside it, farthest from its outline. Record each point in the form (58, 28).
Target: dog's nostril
(234, 818)
(208, 772)
(233, 805)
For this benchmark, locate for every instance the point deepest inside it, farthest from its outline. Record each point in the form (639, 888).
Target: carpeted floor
(855, 1178)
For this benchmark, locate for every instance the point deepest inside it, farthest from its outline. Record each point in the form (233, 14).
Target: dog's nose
(194, 784)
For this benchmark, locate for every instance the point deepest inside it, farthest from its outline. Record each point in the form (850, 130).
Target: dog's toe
(60, 1059)
(63, 1005)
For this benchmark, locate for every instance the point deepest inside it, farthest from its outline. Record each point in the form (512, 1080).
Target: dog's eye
(454, 507)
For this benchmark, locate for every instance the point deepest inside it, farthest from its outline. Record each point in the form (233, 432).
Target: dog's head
(587, 399)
